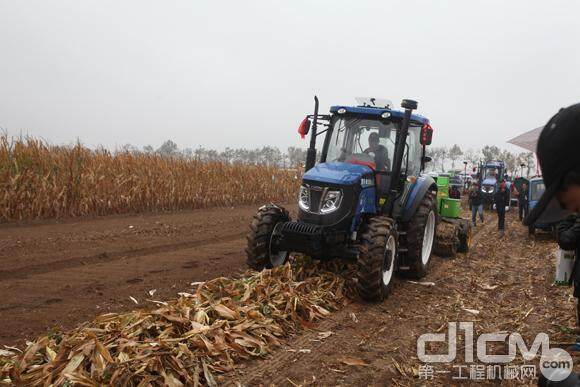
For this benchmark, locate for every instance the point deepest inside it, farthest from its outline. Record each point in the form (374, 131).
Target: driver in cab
(379, 152)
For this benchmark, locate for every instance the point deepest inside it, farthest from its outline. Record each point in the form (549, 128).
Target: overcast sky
(243, 73)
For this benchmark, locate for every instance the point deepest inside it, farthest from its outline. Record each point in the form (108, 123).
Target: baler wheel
(447, 241)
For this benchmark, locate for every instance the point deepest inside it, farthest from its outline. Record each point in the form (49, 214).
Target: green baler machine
(453, 233)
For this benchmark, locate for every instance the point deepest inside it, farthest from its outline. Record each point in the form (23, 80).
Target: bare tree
(490, 153)
(454, 153)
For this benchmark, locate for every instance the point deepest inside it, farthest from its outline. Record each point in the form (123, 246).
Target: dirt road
(65, 273)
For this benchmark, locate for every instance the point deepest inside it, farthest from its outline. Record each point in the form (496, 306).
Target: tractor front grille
(300, 228)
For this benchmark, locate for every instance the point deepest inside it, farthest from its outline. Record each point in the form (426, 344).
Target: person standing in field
(476, 203)
(559, 161)
(523, 201)
(500, 199)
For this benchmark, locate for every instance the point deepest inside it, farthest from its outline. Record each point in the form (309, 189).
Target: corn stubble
(40, 181)
(187, 341)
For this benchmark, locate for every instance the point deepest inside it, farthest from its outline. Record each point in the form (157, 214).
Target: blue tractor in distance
(365, 200)
(491, 175)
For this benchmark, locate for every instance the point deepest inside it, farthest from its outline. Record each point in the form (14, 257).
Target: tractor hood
(489, 181)
(337, 173)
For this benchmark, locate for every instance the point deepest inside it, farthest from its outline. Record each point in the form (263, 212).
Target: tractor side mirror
(304, 127)
(426, 134)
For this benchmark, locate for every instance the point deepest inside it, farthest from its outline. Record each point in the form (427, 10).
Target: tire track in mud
(105, 257)
(307, 347)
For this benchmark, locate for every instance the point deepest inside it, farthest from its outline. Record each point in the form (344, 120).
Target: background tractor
(365, 200)
(536, 188)
(491, 174)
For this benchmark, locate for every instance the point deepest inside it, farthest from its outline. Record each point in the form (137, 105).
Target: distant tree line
(452, 157)
(268, 156)
(443, 157)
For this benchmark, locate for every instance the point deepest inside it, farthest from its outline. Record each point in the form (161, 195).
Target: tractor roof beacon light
(311, 152)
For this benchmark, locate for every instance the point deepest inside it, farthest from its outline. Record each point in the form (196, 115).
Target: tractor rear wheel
(258, 251)
(420, 237)
(377, 259)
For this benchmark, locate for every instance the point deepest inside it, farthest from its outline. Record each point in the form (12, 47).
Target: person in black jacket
(569, 239)
(476, 203)
(379, 153)
(560, 163)
(559, 159)
(523, 201)
(501, 200)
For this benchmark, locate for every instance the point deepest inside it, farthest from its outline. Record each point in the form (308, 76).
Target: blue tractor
(365, 200)
(491, 174)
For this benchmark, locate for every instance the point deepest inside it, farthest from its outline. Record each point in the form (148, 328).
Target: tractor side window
(413, 151)
(337, 150)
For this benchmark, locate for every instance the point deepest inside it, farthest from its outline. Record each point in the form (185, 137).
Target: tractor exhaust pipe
(400, 141)
(311, 152)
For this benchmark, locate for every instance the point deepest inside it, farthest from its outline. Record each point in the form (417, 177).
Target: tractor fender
(417, 192)
(367, 204)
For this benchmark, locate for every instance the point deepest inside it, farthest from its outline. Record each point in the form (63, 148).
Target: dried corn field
(41, 181)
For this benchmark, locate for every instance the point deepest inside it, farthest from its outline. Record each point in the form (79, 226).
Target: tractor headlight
(488, 189)
(331, 202)
(304, 198)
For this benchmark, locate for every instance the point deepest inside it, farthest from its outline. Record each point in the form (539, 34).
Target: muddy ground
(63, 273)
(66, 273)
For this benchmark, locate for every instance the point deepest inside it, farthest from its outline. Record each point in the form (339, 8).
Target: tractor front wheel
(258, 252)
(377, 259)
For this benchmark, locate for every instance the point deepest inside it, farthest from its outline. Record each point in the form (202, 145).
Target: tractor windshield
(372, 142)
(490, 173)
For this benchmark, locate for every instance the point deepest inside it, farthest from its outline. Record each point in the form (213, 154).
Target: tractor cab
(366, 135)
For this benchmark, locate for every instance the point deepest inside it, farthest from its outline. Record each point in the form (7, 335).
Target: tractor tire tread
(370, 260)
(415, 235)
(261, 227)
